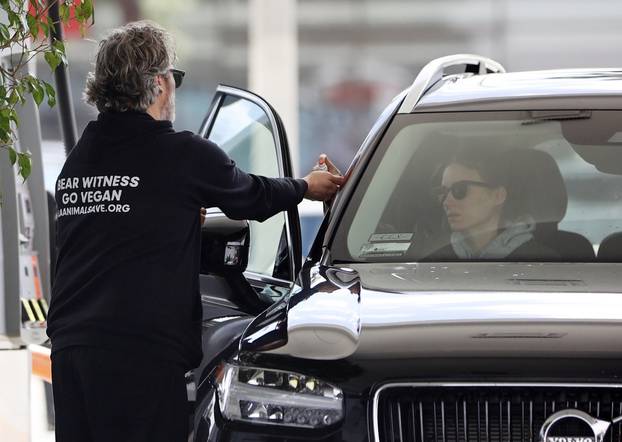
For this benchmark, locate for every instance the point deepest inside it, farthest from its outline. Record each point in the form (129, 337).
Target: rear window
(490, 186)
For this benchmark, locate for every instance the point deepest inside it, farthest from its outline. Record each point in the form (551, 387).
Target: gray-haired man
(125, 314)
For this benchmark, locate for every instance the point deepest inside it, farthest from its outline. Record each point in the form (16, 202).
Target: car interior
(559, 177)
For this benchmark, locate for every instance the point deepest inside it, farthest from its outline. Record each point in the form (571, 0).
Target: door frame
(292, 219)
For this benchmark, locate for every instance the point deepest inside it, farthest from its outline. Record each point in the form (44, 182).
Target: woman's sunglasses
(178, 76)
(458, 190)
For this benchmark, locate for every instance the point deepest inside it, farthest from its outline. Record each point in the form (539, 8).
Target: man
(125, 312)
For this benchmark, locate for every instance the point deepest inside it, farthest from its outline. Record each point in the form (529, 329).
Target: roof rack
(434, 70)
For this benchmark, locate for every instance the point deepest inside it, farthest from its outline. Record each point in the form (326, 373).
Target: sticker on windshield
(384, 249)
(383, 237)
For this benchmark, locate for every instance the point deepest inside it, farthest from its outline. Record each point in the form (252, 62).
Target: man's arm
(219, 183)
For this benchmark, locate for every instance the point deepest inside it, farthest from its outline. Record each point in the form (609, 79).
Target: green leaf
(5, 136)
(87, 9)
(49, 89)
(3, 97)
(33, 25)
(64, 12)
(5, 5)
(5, 118)
(15, 21)
(59, 45)
(5, 123)
(35, 87)
(7, 115)
(83, 11)
(45, 27)
(26, 84)
(24, 165)
(38, 94)
(13, 117)
(53, 59)
(79, 12)
(20, 90)
(14, 97)
(12, 155)
(25, 81)
(4, 33)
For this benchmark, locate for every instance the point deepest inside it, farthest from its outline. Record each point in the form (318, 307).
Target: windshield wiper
(557, 115)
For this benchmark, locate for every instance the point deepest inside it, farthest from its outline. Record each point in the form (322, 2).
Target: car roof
(562, 88)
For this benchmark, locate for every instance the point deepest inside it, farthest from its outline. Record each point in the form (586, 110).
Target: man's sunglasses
(178, 76)
(458, 189)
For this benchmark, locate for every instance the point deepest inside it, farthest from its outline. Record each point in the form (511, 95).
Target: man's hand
(326, 166)
(324, 163)
(322, 186)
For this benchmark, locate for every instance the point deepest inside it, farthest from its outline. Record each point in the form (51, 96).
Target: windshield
(490, 186)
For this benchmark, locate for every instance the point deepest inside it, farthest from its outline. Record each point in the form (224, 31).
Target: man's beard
(168, 111)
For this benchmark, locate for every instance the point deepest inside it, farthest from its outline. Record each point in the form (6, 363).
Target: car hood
(457, 309)
(419, 278)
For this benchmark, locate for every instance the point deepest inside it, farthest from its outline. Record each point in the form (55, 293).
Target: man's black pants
(105, 396)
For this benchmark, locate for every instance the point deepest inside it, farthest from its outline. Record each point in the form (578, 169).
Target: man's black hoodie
(128, 234)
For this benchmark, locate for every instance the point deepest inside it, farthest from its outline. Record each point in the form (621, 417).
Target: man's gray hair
(126, 66)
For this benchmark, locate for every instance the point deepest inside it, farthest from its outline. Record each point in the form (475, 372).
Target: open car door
(246, 266)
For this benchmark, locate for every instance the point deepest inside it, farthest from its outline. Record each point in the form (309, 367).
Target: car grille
(486, 413)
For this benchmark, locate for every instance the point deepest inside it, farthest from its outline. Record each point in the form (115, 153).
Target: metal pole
(63, 92)
(273, 62)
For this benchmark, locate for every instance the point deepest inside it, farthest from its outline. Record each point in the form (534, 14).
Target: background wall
(353, 55)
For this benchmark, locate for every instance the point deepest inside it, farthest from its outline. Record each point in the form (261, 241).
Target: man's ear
(159, 83)
(501, 194)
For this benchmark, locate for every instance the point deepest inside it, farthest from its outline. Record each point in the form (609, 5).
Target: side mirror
(224, 243)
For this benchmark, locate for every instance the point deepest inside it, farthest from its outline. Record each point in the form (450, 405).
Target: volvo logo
(574, 426)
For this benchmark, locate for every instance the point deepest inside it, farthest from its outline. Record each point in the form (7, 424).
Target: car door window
(244, 131)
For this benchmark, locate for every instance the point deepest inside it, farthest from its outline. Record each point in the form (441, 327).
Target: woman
(484, 222)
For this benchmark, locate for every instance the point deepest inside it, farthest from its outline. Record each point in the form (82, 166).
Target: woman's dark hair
(492, 165)
(488, 162)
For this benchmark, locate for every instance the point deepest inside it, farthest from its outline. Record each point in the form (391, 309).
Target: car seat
(538, 190)
(610, 249)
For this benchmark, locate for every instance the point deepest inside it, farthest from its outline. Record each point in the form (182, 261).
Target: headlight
(277, 397)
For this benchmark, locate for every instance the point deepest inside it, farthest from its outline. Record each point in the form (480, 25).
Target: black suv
(464, 285)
